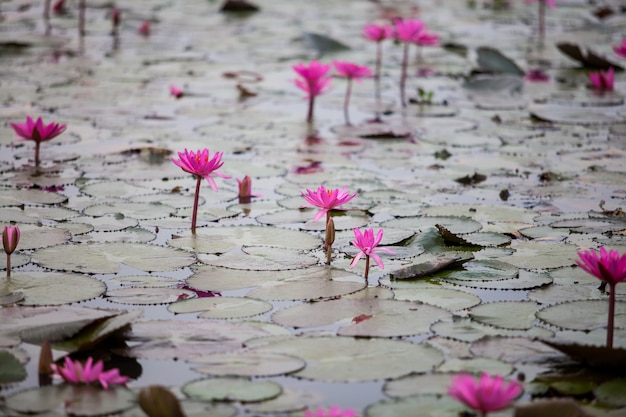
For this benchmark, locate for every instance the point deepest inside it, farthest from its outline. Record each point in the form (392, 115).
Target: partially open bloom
(620, 49)
(327, 200)
(407, 30)
(245, 190)
(144, 29)
(377, 33)
(198, 163)
(314, 82)
(74, 372)
(38, 132)
(331, 412)
(602, 80)
(426, 38)
(490, 393)
(368, 246)
(10, 238)
(609, 267)
(549, 3)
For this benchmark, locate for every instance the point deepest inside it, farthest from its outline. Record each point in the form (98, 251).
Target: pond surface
(486, 185)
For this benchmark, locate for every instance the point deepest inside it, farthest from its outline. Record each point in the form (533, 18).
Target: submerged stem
(196, 197)
(46, 16)
(542, 19)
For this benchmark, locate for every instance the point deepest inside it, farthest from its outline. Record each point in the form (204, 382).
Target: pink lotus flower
(602, 80)
(314, 82)
(10, 239)
(176, 92)
(367, 244)
(550, 3)
(351, 71)
(331, 412)
(377, 33)
(327, 200)
(490, 393)
(426, 38)
(199, 164)
(59, 7)
(609, 267)
(38, 132)
(75, 373)
(407, 32)
(620, 49)
(537, 75)
(144, 30)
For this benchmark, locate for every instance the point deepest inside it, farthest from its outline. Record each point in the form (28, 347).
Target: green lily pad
(118, 189)
(221, 307)
(12, 369)
(363, 317)
(232, 389)
(582, 314)
(457, 225)
(476, 366)
(428, 405)
(107, 258)
(289, 400)
(248, 363)
(447, 298)
(469, 330)
(430, 384)
(523, 281)
(148, 296)
(78, 400)
(261, 258)
(350, 359)
(516, 315)
(52, 288)
(538, 255)
(480, 271)
(224, 239)
(139, 211)
(611, 392)
(513, 349)
(109, 222)
(14, 197)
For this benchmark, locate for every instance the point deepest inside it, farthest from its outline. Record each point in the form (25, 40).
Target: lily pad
(611, 392)
(516, 315)
(428, 405)
(248, 363)
(261, 258)
(12, 369)
(232, 389)
(148, 296)
(221, 307)
(458, 225)
(289, 400)
(447, 298)
(582, 314)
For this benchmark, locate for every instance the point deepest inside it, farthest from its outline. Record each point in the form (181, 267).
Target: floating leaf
(587, 58)
(582, 315)
(429, 264)
(231, 389)
(458, 225)
(428, 405)
(148, 296)
(436, 383)
(12, 369)
(248, 363)
(221, 307)
(262, 258)
(476, 366)
(512, 349)
(139, 211)
(517, 315)
(323, 44)
(447, 298)
(493, 60)
(107, 258)
(540, 255)
(469, 331)
(380, 317)
(612, 392)
(523, 281)
(288, 401)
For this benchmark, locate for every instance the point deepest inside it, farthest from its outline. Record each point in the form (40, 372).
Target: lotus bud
(10, 238)
(158, 401)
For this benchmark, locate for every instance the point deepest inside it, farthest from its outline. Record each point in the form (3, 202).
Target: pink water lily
(144, 28)
(37, 131)
(602, 80)
(74, 372)
(489, 393)
(351, 71)
(176, 92)
(314, 82)
(609, 267)
(407, 32)
(334, 411)
(202, 166)
(426, 38)
(327, 200)
(10, 239)
(378, 33)
(368, 246)
(620, 49)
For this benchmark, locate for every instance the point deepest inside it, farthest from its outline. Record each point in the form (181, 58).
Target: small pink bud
(144, 28)
(116, 17)
(176, 92)
(10, 238)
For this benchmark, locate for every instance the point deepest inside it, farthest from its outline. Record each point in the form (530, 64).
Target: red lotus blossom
(74, 372)
(38, 132)
(327, 200)
(377, 33)
(602, 80)
(368, 246)
(144, 29)
(331, 412)
(536, 75)
(620, 49)
(609, 267)
(351, 71)
(176, 92)
(314, 82)
(490, 393)
(10, 239)
(199, 164)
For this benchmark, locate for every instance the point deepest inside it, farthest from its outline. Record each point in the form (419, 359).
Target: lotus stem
(405, 61)
(542, 19)
(367, 269)
(611, 320)
(196, 198)
(46, 16)
(377, 69)
(81, 25)
(37, 143)
(8, 266)
(346, 103)
(309, 117)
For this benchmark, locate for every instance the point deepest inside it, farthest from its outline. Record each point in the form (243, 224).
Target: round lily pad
(139, 211)
(248, 363)
(262, 258)
(447, 298)
(107, 258)
(148, 296)
(363, 317)
(469, 330)
(540, 255)
(221, 307)
(428, 405)
(523, 281)
(457, 225)
(350, 359)
(12, 369)
(52, 288)
(289, 400)
(15, 197)
(476, 366)
(517, 315)
(35, 237)
(435, 383)
(582, 314)
(487, 270)
(231, 389)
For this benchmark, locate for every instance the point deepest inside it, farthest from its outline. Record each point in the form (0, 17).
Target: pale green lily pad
(151, 280)
(106, 258)
(34, 325)
(289, 400)
(501, 219)
(523, 281)
(469, 331)
(12, 369)
(52, 288)
(582, 314)
(513, 349)
(364, 317)
(473, 271)
(139, 211)
(221, 307)
(590, 225)
(129, 235)
(17, 260)
(428, 405)
(430, 384)
(447, 298)
(596, 337)
(346, 221)
(457, 225)
(148, 296)
(538, 255)
(248, 363)
(35, 237)
(611, 392)
(261, 258)
(515, 315)
(577, 115)
(232, 389)
(15, 197)
(109, 222)
(169, 339)
(206, 214)
(302, 284)
(118, 189)
(78, 400)
(224, 239)
(193, 408)
(559, 293)
(476, 366)
(355, 359)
